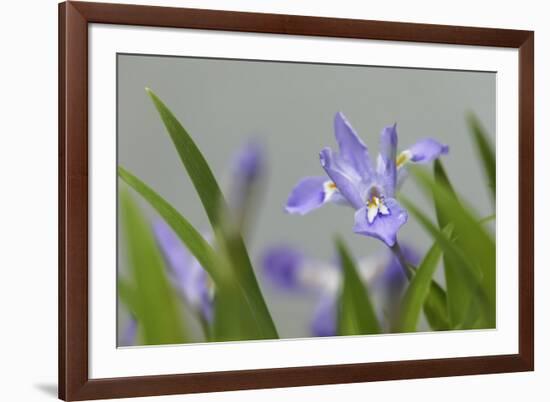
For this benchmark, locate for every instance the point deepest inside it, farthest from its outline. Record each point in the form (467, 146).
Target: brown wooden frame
(74, 17)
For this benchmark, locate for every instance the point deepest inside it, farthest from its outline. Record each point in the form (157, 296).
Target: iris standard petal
(343, 175)
(386, 164)
(426, 150)
(282, 265)
(309, 194)
(324, 317)
(383, 227)
(352, 149)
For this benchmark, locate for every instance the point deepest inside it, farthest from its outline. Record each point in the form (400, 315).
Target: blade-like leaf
(198, 169)
(128, 295)
(487, 219)
(192, 239)
(157, 311)
(236, 316)
(207, 257)
(467, 269)
(485, 151)
(471, 238)
(418, 290)
(216, 209)
(356, 315)
(435, 308)
(457, 292)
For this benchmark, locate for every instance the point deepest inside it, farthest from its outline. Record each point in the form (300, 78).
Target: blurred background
(289, 109)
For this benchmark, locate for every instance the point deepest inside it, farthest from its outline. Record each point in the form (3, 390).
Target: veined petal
(386, 164)
(309, 194)
(352, 149)
(282, 266)
(324, 317)
(383, 227)
(426, 150)
(346, 180)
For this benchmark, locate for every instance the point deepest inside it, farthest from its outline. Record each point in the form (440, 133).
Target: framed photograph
(259, 200)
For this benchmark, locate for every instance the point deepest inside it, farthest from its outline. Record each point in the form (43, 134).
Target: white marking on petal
(372, 211)
(383, 209)
(329, 188)
(403, 158)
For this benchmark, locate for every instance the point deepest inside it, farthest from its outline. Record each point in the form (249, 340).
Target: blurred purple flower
(287, 269)
(354, 181)
(190, 279)
(247, 172)
(249, 162)
(282, 267)
(129, 335)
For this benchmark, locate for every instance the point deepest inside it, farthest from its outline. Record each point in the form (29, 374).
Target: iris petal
(343, 175)
(352, 149)
(384, 227)
(307, 195)
(427, 150)
(386, 163)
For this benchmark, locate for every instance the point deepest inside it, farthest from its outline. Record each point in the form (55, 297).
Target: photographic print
(252, 200)
(262, 200)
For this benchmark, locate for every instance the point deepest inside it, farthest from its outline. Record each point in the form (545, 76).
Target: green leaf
(477, 287)
(487, 219)
(418, 290)
(128, 295)
(209, 259)
(458, 297)
(198, 169)
(192, 239)
(356, 314)
(227, 236)
(435, 308)
(485, 151)
(471, 237)
(156, 308)
(236, 316)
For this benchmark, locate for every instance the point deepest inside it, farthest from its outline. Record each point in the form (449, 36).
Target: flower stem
(407, 270)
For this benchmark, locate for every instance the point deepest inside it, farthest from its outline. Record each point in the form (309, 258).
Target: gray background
(290, 107)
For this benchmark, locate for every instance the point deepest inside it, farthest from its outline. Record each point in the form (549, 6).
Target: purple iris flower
(353, 180)
(186, 273)
(288, 269)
